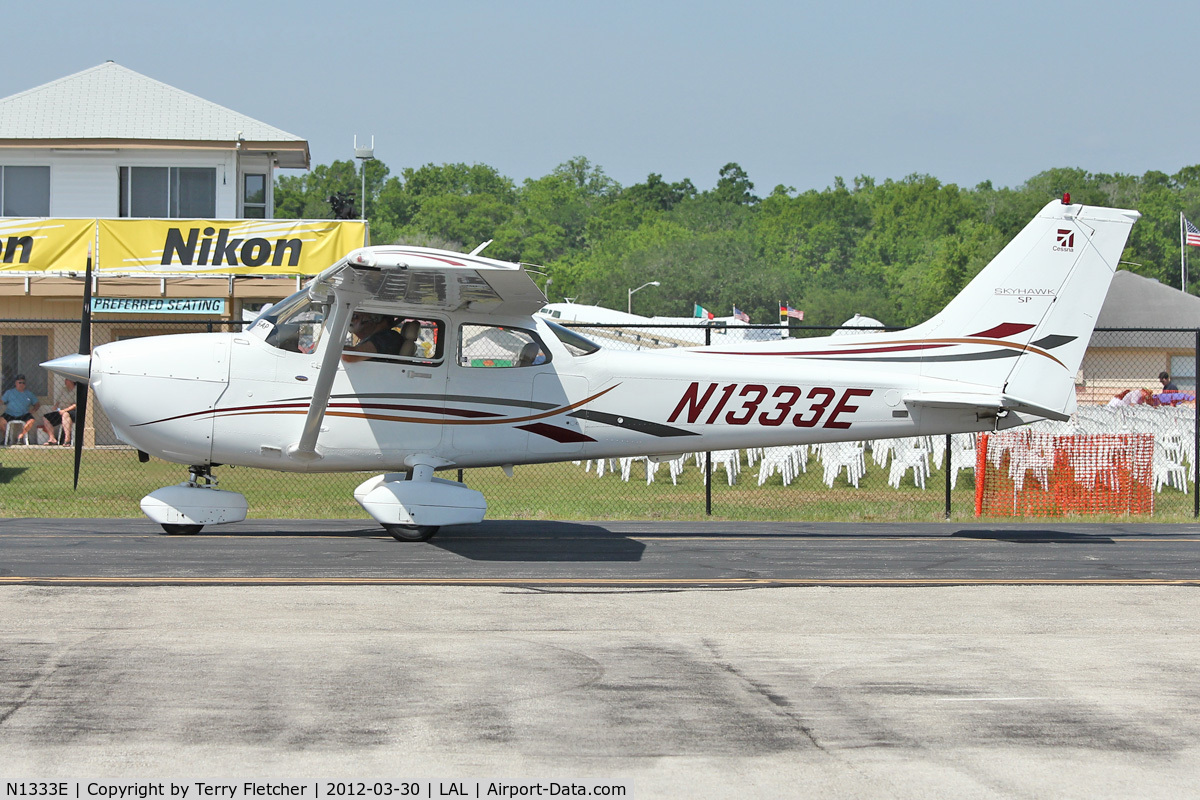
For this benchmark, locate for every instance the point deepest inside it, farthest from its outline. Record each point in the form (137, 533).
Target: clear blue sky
(795, 92)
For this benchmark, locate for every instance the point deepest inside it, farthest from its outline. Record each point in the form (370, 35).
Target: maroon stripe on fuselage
(560, 435)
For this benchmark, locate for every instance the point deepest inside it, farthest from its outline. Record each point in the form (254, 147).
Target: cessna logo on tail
(209, 252)
(1066, 240)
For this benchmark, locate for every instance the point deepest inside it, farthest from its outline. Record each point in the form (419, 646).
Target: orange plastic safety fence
(1027, 473)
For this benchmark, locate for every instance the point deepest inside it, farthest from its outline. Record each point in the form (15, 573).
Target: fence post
(949, 466)
(708, 454)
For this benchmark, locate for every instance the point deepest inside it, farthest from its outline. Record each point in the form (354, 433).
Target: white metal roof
(111, 102)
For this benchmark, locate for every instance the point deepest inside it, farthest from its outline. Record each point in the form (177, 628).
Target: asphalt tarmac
(675, 660)
(614, 554)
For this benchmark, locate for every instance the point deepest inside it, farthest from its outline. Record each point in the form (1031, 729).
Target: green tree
(307, 196)
(552, 213)
(734, 186)
(454, 203)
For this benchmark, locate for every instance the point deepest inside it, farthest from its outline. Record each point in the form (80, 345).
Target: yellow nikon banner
(240, 246)
(39, 244)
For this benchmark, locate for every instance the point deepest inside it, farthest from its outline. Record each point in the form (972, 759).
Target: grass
(36, 482)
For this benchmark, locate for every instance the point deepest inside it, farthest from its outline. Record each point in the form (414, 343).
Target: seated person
(19, 405)
(409, 333)
(63, 415)
(373, 333)
(530, 355)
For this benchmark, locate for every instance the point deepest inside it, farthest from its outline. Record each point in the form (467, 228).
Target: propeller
(85, 349)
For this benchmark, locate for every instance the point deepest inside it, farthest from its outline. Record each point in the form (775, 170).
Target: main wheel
(181, 530)
(411, 533)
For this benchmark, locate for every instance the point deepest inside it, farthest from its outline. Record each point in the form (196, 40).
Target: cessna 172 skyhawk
(484, 382)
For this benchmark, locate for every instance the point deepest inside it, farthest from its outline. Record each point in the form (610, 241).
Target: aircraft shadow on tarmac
(498, 540)
(1032, 536)
(515, 540)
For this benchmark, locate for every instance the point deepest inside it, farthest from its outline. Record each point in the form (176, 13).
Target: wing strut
(306, 448)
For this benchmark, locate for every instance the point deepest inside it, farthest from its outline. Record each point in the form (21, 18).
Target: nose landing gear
(187, 507)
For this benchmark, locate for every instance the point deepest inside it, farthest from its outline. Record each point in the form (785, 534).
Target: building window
(254, 196)
(1183, 372)
(25, 191)
(175, 192)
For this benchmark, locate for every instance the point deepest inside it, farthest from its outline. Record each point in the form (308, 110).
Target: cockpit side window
(500, 346)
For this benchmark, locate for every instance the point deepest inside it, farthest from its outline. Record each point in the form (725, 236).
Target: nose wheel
(184, 509)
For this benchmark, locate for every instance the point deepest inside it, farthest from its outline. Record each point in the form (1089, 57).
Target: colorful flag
(701, 312)
(786, 311)
(1193, 233)
(740, 315)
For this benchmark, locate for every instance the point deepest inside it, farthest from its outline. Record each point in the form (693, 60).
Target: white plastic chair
(911, 454)
(12, 432)
(1167, 472)
(777, 459)
(731, 460)
(962, 455)
(843, 455)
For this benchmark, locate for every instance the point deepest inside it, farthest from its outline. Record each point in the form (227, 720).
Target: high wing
(399, 280)
(414, 279)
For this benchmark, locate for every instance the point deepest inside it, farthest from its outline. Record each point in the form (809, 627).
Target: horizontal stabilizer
(984, 404)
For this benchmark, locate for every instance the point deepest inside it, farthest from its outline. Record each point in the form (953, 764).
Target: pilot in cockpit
(373, 333)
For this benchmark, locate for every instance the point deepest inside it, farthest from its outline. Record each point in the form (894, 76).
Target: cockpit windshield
(293, 324)
(577, 344)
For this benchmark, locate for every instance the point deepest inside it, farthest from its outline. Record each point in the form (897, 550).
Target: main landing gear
(411, 533)
(187, 507)
(412, 506)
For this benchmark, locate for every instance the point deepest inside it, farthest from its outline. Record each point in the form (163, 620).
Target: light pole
(629, 306)
(365, 154)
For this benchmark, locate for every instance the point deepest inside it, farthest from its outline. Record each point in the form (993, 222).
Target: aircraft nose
(77, 367)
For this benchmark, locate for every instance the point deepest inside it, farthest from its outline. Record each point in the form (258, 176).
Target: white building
(110, 142)
(109, 147)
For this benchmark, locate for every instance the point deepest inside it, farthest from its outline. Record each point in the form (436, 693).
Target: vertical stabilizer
(1021, 326)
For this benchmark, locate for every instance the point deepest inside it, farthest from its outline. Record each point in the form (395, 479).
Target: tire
(411, 533)
(181, 530)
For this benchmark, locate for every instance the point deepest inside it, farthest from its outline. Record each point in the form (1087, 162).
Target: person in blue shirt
(19, 405)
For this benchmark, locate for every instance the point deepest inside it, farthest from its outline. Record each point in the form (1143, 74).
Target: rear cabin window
(496, 346)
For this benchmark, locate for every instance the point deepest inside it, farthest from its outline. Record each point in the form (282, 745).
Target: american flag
(786, 311)
(1193, 233)
(740, 315)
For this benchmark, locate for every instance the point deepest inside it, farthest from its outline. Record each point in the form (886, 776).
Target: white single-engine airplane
(477, 380)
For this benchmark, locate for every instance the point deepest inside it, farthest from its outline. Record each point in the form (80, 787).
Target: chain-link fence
(1068, 468)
